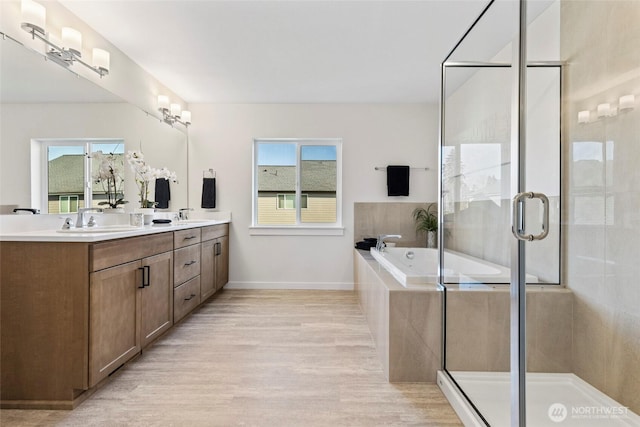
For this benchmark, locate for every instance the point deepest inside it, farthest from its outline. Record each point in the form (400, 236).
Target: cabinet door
(156, 297)
(222, 262)
(114, 326)
(208, 269)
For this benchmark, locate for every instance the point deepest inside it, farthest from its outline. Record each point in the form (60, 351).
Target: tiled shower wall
(599, 41)
(373, 219)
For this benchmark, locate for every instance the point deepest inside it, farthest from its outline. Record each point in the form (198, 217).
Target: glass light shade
(163, 102)
(33, 14)
(627, 102)
(175, 110)
(583, 116)
(603, 110)
(186, 116)
(72, 40)
(101, 59)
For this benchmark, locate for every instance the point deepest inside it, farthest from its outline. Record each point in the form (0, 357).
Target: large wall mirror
(45, 104)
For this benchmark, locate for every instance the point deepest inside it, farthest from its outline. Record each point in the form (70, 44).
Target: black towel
(208, 193)
(163, 193)
(397, 180)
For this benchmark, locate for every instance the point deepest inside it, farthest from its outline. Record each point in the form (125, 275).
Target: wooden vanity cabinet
(130, 300)
(215, 259)
(186, 276)
(72, 313)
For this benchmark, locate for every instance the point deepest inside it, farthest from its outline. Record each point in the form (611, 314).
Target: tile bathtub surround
(406, 323)
(478, 330)
(373, 219)
(260, 358)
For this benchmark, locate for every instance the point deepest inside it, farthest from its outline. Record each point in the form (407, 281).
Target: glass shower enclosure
(512, 166)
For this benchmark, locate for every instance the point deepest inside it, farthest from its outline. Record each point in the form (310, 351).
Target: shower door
(500, 208)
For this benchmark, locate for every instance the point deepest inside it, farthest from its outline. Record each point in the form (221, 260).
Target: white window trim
(299, 229)
(40, 167)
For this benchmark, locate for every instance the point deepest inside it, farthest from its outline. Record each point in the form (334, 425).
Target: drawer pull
(190, 298)
(147, 270)
(187, 264)
(142, 285)
(189, 237)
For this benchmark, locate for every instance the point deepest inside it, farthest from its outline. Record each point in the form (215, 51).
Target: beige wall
(320, 209)
(373, 219)
(600, 41)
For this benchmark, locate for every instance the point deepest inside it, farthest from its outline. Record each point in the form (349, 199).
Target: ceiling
(301, 51)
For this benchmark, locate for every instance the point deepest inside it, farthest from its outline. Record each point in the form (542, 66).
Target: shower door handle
(517, 221)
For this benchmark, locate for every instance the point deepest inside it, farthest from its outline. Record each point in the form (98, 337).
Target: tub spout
(380, 245)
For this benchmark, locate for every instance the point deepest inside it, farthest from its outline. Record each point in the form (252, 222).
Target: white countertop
(43, 229)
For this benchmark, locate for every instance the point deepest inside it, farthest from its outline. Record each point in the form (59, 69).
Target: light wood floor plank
(258, 358)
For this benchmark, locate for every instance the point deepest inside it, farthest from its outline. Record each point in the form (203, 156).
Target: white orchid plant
(109, 175)
(144, 174)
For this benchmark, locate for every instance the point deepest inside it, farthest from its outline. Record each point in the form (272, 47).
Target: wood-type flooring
(257, 358)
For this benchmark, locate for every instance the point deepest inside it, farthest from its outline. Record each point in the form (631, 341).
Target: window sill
(295, 231)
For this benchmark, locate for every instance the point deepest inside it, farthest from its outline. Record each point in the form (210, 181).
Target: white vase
(148, 214)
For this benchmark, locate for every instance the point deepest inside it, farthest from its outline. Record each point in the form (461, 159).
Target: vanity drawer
(186, 297)
(114, 252)
(214, 231)
(186, 264)
(187, 237)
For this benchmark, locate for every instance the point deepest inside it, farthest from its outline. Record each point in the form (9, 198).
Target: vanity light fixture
(34, 18)
(603, 110)
(584, 116)
(173, 113)
(627, 102)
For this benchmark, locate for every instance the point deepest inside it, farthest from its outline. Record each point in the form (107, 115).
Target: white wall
(373, 135)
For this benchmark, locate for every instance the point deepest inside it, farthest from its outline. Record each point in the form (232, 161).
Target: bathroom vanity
(75, 307)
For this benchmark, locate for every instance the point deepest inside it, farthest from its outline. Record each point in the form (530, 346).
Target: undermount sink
(101, 229)
(190, 221)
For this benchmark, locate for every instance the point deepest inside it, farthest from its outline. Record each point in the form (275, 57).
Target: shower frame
(518, 339)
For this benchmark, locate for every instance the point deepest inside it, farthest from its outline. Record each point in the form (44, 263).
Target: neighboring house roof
(317, 175)
(66, 174)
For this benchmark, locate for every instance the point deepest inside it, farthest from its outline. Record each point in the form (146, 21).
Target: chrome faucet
(183, 213)
(80, 218)
(380, 243)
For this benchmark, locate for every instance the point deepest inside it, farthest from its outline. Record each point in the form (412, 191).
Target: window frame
(299, 228)
(40, 175)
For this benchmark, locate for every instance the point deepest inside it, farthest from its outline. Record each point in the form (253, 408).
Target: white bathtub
(420, 265)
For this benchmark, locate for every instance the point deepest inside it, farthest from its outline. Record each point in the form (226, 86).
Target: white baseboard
(319, 286)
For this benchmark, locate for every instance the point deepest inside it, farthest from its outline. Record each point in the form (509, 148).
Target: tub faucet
(380, 243)
(80, 218)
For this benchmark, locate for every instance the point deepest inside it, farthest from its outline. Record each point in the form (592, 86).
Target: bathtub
(411, 266)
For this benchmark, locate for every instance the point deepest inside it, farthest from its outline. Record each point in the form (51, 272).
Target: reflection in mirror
(44, 103)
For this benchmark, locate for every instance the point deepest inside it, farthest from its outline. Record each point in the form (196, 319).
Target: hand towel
(208, 193)
(397, 180)
(163, 193)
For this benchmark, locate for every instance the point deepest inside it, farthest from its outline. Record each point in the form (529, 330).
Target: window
(288, 201)
(67, 180)
(297, 185)
(68, 204)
